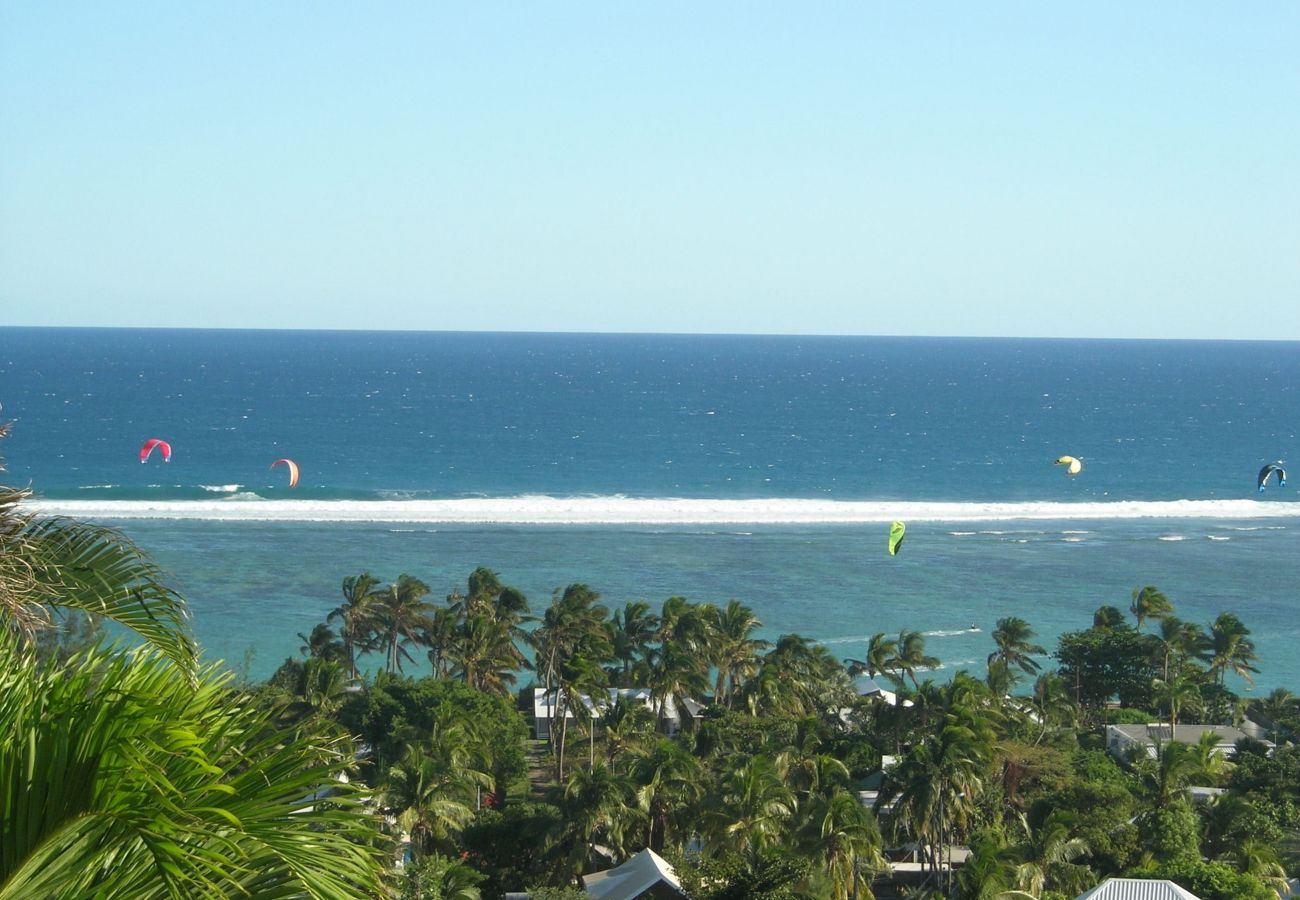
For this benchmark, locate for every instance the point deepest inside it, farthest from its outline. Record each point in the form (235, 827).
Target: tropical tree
(1149, 603)
(436, 877)
(127, 777)
(751, 808)
(1052, 704)
(571, 644)
(595, 800)
(634, 628)
(441, 636)
(1166, 777)
(484, 655)
(882, 652)
(1047, 854)
(355, 617)
(910, 656)
(1177, 642)
(842, 835)
(1280, 704)
(1229, 649)
(937, 785)
(322, 643)
(668, 782)
(429, 799)
(1013, 638)
(735, 650)
(1173, 694)
(401, 617)
(1108, 617)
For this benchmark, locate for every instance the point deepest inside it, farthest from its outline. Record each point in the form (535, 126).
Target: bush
(1210, 880)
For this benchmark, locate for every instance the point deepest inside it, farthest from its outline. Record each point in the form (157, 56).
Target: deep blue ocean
(759, 468)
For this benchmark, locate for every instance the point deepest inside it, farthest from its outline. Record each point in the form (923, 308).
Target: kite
(896, 532)
(293, 470)
(1072, 466)
(1270, 469)
(162, 446)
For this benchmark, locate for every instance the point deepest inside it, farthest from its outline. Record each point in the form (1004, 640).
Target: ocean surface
(764, 469)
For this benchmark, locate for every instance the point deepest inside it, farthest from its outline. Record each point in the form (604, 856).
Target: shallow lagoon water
(255, 585)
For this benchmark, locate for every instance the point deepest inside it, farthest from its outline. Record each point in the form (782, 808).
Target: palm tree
(735, 653)
(1052, 704)
(1166, 777)
(1178, 641)
(441, 636)
(322, 643)
(1278, 705)
(842, 834)
(798, 678)
(628, 725)
(598, 799)
(938, 783)
(677, 672)
(1173, 693)
(141, 781)
(911, 655)
(751, 808)
(1048, 853)
(1230, 648)
(355, 616)
(1013, 636)
(804, 768)
(668, 781)
(571, 644)
(484, 655)
(1149, 603)
(430, 801)
(401, 617)
(633, 630)
(882, 652)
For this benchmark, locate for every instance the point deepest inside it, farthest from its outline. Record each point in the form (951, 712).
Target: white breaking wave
(221, 488)
(619, 510)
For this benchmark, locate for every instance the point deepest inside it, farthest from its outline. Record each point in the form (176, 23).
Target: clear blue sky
(1112, 169)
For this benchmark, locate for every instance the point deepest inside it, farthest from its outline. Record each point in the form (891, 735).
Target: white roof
(1137, 889)
(545, 705)
(632, 879)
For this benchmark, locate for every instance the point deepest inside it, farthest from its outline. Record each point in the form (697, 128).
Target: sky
(1044, 170)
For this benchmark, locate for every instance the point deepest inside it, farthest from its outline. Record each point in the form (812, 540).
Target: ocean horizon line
(534, 509)
(818, 335)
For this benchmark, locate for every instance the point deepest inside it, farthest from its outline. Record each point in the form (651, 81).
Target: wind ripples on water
(620, 510)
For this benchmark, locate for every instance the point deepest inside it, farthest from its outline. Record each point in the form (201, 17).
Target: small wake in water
(1172, 537)
(621, 510)
(866, 638)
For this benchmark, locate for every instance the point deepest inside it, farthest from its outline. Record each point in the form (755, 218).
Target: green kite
(896, 532)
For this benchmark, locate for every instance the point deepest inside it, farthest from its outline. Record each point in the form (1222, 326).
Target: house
(868, 687)
(1137, 889)
(546, 708)
(645, 875)
(1123, 739)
